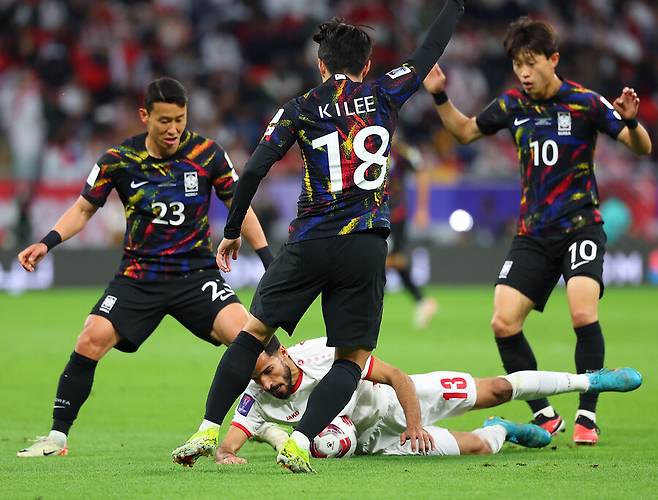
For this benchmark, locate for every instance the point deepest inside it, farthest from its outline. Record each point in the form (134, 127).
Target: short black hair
(343, 47)
(165, 89)
(273, 347)
(527, 35)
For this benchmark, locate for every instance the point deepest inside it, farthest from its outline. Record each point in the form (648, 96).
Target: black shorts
(349, 272)
(136, 307)
(534, 265)
(399, 236)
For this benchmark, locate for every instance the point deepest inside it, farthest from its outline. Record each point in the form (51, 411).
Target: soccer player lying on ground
(337, 244)
(164, 178)
(387, 403)
(554, 123)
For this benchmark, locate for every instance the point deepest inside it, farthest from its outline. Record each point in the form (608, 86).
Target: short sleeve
(281, 132)
(100, 180)
(248, 414)
(493, 118)
(398, 85)
(224, 175)
(606, 118)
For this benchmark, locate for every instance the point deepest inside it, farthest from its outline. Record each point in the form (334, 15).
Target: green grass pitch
(145, 404)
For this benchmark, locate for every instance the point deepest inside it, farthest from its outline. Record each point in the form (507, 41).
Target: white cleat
(425, 310)
(44, 446)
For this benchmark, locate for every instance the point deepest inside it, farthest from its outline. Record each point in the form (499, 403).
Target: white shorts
(441, 395)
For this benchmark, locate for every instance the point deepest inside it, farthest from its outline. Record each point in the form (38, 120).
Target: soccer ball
(337, 440)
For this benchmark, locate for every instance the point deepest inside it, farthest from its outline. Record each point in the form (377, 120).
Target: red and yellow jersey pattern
(166, 203)
(344, 130)
(556, 141)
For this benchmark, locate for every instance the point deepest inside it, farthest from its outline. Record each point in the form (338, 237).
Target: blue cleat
(618, 380)
(528, 435)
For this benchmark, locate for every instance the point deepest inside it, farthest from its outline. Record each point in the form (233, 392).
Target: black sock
(590, 352)
(517, 355)
(232, 376)
(72, 391)
(412, 288)
(329, 397)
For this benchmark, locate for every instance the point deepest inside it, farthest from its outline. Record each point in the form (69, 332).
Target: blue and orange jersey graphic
(556, 141)
(344, 129)
(166, 203)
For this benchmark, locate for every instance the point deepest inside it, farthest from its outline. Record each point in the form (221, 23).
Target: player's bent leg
(96, 339)
(479, 442)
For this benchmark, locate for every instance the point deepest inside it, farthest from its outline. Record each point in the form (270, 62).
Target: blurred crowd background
(72, 75)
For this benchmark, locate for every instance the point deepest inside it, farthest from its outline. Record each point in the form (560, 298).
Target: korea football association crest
(191, 184)
(563, 123)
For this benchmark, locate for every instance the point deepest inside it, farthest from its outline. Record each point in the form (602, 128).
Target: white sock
(494, 436)
(301, 440)
(548, 412)
(530, 384)
(59, 437)
(207, 424)
(587, 414)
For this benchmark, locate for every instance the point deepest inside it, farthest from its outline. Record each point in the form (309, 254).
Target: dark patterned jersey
(556, 139)
(166, 203)
(344, 130)
(404, 160)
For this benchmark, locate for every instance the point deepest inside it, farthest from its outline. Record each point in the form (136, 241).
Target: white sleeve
(248, 415)
(367, 368)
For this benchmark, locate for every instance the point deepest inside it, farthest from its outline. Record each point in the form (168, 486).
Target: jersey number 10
(369, 159)
(549, 153)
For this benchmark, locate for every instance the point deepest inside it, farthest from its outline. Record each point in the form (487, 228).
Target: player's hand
(32, 255)
(421, 440)
(227, 250)
(228, 458)
(627, 104)
(435, 81)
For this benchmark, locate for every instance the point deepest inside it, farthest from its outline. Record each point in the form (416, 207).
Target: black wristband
(631, 123)
(440, 98)
(266, 256)
(52, 239)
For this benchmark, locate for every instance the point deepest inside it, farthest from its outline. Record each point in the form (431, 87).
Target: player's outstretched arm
(462, 128)
(69, 224)
(227, 450)
(634, 136)
(437, 38)
(405, 390)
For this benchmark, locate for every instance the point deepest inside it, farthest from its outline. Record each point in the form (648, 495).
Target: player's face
(165, 124)
(536, 72)
(274, 375)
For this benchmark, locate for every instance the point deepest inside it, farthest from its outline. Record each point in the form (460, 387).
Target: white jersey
(374, 408)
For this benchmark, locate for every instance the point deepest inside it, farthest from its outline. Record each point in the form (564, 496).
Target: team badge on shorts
(504, 271)
(108, 303)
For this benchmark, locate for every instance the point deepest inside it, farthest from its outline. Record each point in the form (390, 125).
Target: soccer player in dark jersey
(403, 161)
(337, 244)
(164, 178)
(554, 123)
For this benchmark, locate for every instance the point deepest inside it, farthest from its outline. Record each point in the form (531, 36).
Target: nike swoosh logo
(575, 266)
(134, 184)
(47, 453)
(518, 122)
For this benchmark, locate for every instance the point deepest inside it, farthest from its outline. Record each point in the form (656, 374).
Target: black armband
(52, 239)
(266, 256)
(440, 98)
(631, 123)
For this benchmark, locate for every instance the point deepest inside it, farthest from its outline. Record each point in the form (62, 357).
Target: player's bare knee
(96, 339)
(583, 317)
(503, 327)
(474, 445)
